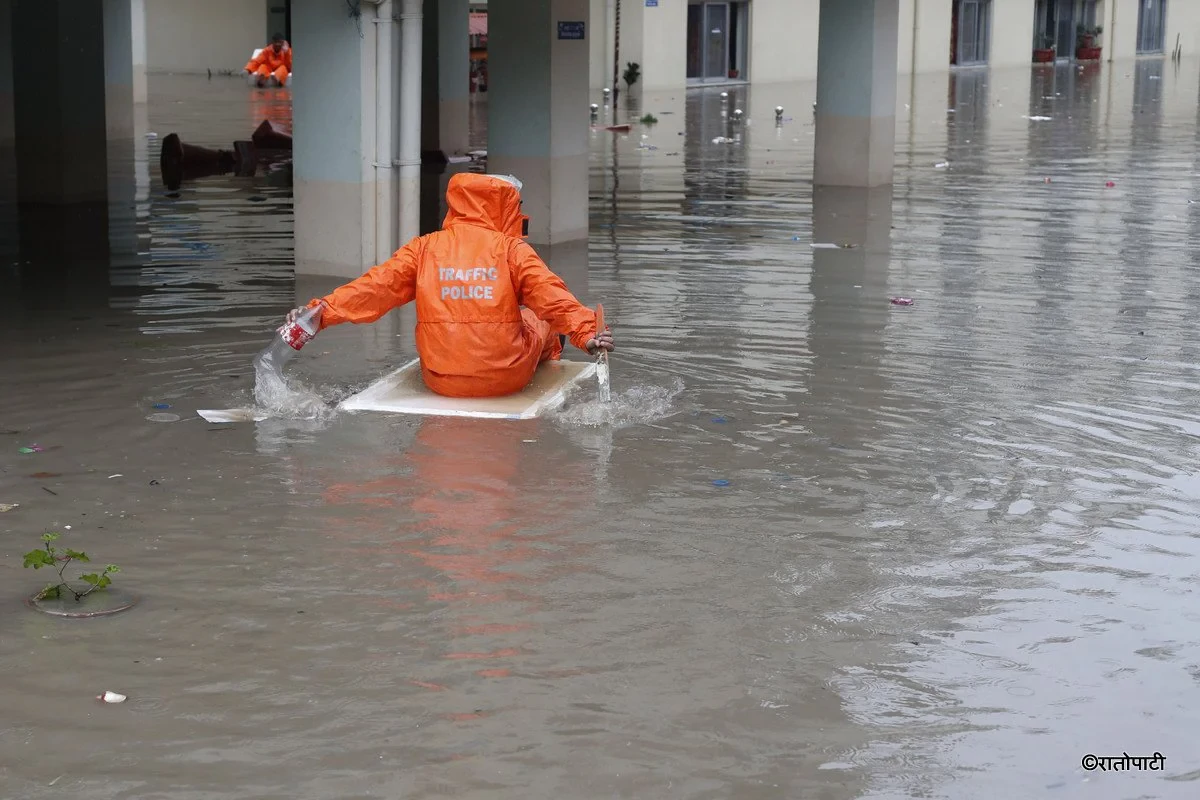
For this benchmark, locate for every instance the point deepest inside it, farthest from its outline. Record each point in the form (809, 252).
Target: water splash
(637, 405)
(280, 398)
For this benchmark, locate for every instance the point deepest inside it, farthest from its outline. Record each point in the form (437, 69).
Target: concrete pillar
(126, 140)
(118, 67)
(538, 110)
(453, 72)
(8, 133)
(61, 143)
(137, 18)
(447, 64)
(333, 120)
(856, 93)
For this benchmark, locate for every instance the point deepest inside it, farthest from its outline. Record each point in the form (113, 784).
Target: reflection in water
(941, 550)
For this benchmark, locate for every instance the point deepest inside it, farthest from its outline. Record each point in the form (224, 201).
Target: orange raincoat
(470, 281)
(268, 63)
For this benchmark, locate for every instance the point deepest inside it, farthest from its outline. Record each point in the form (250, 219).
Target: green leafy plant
(1088, 36)
(50, 556)
(648, 119)
(632, 72)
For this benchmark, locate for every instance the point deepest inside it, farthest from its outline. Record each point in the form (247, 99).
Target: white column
(137, 17)
(856, 93)
(61, 142)
(8, 133)
(385, 125)
(411, 17)
(538, 110)
(454, 71)
(333, 121)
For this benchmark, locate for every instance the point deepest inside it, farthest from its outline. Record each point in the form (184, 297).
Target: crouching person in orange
(489, 310)
(273, 62)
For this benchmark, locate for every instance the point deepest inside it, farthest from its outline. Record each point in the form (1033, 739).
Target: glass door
(716, 45)
(973, 32)
(1152, 29)
(695, 41)
(713, 50)
(1065, 30)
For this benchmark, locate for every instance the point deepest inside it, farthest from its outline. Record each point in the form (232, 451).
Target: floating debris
(902, 301)
(112, 697)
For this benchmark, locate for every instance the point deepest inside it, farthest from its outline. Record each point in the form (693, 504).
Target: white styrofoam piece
(404, 392)
(232, 415)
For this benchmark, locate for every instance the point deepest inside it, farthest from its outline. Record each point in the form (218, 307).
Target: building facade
(681, 43)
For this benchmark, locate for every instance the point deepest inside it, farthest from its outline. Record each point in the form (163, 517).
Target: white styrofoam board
(403, 392)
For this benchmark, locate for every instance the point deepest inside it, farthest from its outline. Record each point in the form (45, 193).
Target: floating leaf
(38, 558)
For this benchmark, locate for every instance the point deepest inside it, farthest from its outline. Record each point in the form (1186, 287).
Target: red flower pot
(1087, 54)
(1043, 56)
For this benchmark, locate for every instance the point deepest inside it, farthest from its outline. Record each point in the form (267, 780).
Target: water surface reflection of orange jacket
(469, 281)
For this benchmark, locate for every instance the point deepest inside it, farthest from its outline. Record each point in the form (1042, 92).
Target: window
(1152, 25)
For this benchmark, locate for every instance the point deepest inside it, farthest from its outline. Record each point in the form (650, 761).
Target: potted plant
(1044, 53)
(1087, 43)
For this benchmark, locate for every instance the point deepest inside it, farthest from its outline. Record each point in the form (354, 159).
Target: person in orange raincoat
(273, 61)
(489, 310)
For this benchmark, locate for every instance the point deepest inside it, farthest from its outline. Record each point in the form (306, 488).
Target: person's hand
(602, 342)
(291, 317)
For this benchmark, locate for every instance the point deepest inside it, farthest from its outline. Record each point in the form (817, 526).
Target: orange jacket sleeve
(287, 59)
(389, 285)
(253, 64)
(545, 293)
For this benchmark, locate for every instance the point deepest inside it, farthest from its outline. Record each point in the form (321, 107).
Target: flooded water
(820, 546)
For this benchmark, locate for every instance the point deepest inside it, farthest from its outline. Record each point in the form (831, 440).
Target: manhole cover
(100, 603)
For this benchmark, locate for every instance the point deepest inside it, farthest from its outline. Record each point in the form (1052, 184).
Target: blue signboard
(570, 30)
(651, 3)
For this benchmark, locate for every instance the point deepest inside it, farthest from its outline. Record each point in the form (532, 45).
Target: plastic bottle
(291, 338)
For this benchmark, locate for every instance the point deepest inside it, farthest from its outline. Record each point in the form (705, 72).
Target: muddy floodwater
(822, 546)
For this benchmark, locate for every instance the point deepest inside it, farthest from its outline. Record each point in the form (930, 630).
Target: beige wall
(1120, 27)
(1012, 33)
(784, 34)
(656, 38)
(783, 40)
(927, 24)
(191, 36)
(1183, 21)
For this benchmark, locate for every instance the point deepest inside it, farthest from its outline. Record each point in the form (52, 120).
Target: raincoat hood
(484, 201)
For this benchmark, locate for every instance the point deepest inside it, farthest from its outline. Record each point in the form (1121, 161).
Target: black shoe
(562, 341)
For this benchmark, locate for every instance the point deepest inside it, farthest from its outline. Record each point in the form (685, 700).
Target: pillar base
(555, 195)
(854, 151)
